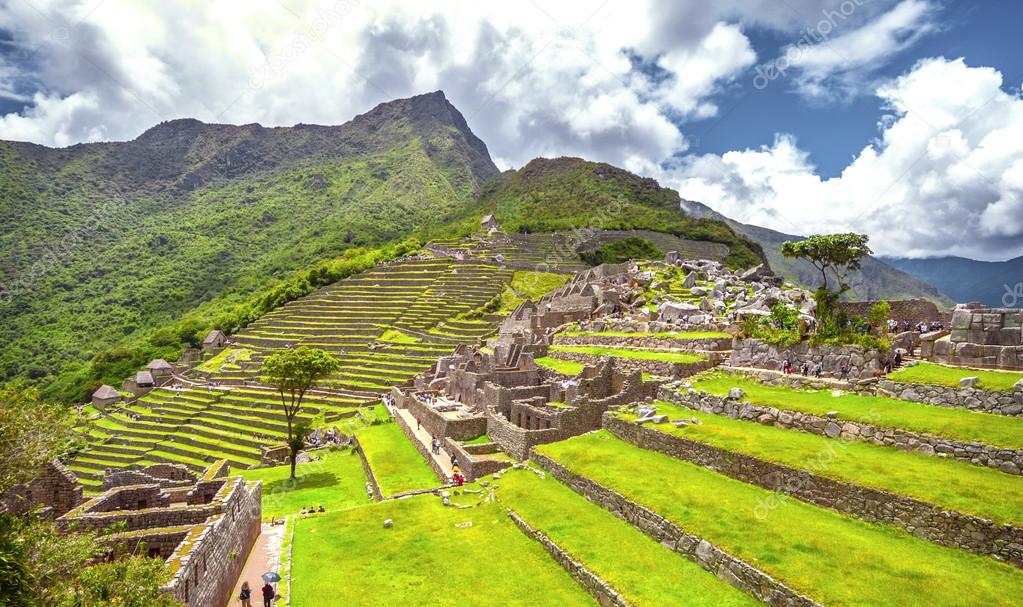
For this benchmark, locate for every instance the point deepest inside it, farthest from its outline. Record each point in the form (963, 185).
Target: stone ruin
(203, 526)
(53, 492)
(979, 337)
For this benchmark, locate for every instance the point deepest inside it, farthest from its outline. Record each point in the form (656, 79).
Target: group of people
(924, 326)
(807, 367)
(330, 437)
(245, 596)
(310, 510)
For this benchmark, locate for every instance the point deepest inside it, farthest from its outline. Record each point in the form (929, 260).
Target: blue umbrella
(271, 577)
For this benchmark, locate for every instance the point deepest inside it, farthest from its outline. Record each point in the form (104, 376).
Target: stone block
(969, 382)
(1009, 337)
(961, 319)
(968, 350)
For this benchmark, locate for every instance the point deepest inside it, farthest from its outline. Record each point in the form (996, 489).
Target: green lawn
(940, 375)
(955, 485)
(337, 481)
(958, 424)
(213, 364)
(429, 557)
(396, 464)
(665, 335)
(651, 575)
(530, 285)
(662, 355)
(836, 559)
(568, 367)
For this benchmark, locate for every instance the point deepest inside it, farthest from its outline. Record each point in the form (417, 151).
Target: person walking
(268, 595)
(245, 596)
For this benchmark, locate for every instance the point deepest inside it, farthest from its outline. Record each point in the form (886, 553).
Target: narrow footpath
(264, 556)
(425, 438)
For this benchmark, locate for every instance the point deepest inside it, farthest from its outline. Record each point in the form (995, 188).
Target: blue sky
(901, 119)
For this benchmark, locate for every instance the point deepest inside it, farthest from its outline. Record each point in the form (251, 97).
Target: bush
(622, 250)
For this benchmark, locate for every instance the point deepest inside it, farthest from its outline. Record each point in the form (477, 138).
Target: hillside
(575, 194)
(102, 242)
(995, 283)
(875, 280)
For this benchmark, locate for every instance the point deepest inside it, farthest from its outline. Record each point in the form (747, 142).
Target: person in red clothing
(268, 595)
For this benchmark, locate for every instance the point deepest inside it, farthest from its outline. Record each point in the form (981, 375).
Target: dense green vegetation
(833, 558)
(336, 481)
(880, 411)
(668, 356)
(955, 485)
(618, 251)
(571, 193)
(531, 285)
(652, 574)
(432, 555)
(940, 375)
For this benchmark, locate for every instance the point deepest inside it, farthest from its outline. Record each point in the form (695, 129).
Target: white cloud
(945, 177)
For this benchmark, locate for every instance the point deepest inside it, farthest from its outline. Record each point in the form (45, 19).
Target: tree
(293, 372)
(32, 433)
(838, 253)
(879, 314)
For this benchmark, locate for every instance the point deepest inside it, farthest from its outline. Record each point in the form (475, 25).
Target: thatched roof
(104, 392)
(144, 377)
(159, 364)
(213, 336)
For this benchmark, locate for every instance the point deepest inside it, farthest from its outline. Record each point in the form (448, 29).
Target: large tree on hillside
(838, 254)
(293, 372)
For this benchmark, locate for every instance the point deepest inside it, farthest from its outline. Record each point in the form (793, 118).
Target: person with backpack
(245, 596)
(268, 595)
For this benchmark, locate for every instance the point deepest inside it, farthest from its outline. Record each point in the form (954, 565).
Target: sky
(902, 119)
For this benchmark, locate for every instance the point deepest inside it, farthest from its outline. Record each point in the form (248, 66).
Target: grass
(528, 285)
(483, 439)
(958, 424)
(396, 464)
(396, 336)
(221, 358)
(661, 355)
(651, 575)
(834, 558)
(337, 481)
(429, 557)
(566, 367)
(664, 334)
(948, 483)
(940, 375)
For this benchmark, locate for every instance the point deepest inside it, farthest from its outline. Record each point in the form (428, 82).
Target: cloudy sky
(899, 118)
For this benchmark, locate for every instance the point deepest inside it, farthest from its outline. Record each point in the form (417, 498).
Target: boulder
(388, 523)
(658, 419)
(736, 393)
(968, 382)
(689, 281)
(758, 272)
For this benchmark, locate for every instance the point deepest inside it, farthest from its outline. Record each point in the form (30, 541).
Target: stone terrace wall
(688, 345)
(975, 399)
(655, 367)
(730, 569)
(206, 572)
(516, 441)
(809, 382)
(755, 353)
(373, 487)
(56, 489)
(913, 310)
(424, 451)
(472, 466)
(1009, 461)
(928, 521)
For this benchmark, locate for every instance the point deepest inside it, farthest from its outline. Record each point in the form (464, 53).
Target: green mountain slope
(101, 242)
(995, 283)
(575, 194)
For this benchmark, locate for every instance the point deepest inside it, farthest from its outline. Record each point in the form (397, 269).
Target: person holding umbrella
(269, 595)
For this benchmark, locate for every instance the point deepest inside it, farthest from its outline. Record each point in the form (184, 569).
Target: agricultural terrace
(833, 558)
(880, 411)
(668, 356)
(680, 335)
(396, 464)
(567, 367)
(432, 555)
(940, 375)
(948, 483)
(335, 480)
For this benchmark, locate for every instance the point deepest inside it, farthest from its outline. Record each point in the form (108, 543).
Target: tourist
(245, 596)
(843, 371)
(804, 369)
(818, 369)
(786, 366)
(898, 359)
(320, 509)
(268, 595)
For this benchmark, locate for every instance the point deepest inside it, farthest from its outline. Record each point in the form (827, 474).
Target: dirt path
(264, 556)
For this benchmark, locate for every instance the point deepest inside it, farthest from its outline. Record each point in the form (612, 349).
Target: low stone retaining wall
(654, 367)
(471, 465)
(602, 591)
(946, 527)
(805, 382)
(423, 450)
(689, 345)
(736, 572)
(1006, 460)
(372, 486)
(756, 353)
(975, 399)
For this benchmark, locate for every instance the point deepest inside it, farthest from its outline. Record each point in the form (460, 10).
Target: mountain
(100, 242)
(876, 280)
(995, 283)
(575, 194)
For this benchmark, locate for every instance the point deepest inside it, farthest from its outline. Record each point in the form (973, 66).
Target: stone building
(159, 368)
(105, 395)
(489, 223)
(55, 491)
(214, 340)
(203, 529)
(979, 337)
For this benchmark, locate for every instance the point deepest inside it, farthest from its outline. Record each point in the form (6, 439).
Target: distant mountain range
(995, 283)
(876, 279)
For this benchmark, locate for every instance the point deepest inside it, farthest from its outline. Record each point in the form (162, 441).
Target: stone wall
(647, 342)
(736, 572)
(516, 441)
(654, 367)
(56, 490)
(372, 487)
(205, 570)
(438, 424)
(755, 353)
(931, 522)
(808, 382)
(424, 450)
(474, 467)
(913, 310)
(602, 591)
(1007, 460)
(975, 399)
(983, 337)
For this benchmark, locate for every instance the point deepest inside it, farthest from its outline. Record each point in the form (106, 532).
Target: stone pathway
(264, 556)
(425, 438)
